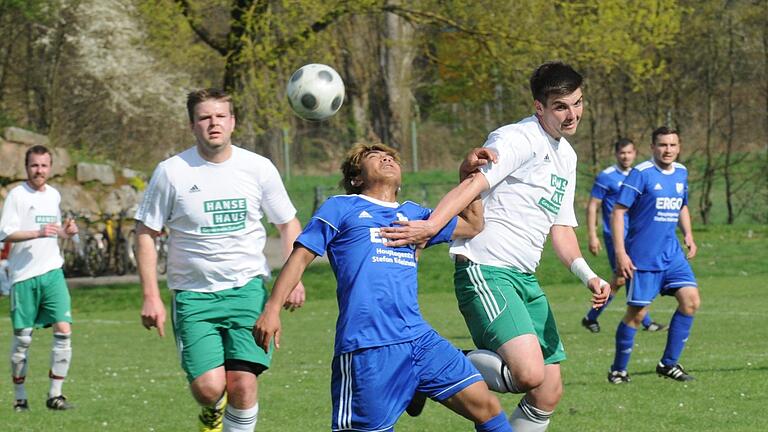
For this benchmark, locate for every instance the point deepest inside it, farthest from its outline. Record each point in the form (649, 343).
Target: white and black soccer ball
(315, 92)
(494, 371)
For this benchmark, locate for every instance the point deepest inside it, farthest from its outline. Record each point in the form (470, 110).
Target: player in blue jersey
(655, 195)
(604, 192)
(384, 349)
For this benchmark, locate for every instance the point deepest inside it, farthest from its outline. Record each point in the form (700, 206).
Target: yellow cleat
(210, 417)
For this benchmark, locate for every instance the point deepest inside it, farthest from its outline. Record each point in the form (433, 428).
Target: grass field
(124, 378)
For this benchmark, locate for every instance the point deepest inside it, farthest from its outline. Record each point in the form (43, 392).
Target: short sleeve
(275, 201)
(631, 189)
(445, 234)
(10, 222)
(513, 151)
(323, 227)
(599, 187)
(157, 204)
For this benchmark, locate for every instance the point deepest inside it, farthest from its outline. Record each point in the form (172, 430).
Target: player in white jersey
(212, 198)
(527, 195)
(31, 221)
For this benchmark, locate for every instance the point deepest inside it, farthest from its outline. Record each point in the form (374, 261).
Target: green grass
(125, 378)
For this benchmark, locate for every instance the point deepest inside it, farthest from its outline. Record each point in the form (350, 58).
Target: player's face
(38, 170)
(378, 166)
(561, 115)
(213, 125)
(626, 156)
(665, 149)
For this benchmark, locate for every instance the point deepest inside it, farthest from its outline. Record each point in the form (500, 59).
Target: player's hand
(408, 232)
(267, 327)
(49, 230)
(691, 245)
(153, 315)
(476, 158)
(601, 290)
(296, 298)
(594, 245)
(624, 266)
(70, 227)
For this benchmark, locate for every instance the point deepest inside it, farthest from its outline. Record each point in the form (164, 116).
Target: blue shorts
(608, 240)
(371, 387)
(646, 285)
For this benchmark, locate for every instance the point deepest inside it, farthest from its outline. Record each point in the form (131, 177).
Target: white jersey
(213, 212)
(532, 187)
(26, 209)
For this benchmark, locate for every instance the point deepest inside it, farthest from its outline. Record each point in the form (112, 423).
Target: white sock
(22, 339)
(20, 391)
(528, 418)
(61, 357)
(240, 420)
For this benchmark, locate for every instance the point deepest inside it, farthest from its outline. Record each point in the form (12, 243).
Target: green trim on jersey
(499, 304)
(41, 301)
(212, 327)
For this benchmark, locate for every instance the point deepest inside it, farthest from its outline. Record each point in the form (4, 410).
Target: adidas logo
(657, 187)
(194, 189)
(364, 214)
(546, 158)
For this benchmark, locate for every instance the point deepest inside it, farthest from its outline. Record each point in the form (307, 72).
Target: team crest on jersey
(679, 187)
(227, 215)
(552, 204)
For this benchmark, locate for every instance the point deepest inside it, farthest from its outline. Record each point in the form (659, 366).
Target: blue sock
(679, 330)
(496, 424)
(594, 313)
(647, 320)
(625, 340)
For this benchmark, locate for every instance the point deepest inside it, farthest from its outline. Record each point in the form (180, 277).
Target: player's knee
(528, 378)
(207, 391)
(22, 339)
(690, 301)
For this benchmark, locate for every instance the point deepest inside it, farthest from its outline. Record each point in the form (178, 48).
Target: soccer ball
(493, 369)
(315, 92)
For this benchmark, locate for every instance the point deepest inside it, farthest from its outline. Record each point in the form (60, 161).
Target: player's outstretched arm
(152, 309)
(624, 265)
(685, 226)
(594, 241)
(268, 325)
(288, 233)
(566, 246)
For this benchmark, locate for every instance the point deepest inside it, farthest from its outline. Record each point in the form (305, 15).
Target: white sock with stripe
(240, 420)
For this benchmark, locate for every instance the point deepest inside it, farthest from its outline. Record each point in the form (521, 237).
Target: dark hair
(621, 143)
(662, 130)
(554, 78)
(38, 150)
(350, 168)
(202, 95)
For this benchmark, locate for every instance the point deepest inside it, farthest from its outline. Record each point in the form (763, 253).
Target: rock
(89, 171)
(122, 198)
(129, 173)
(75, 198)
(23, 136)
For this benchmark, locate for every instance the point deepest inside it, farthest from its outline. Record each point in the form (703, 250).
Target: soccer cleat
(416, 406)
(676, 372)
(211, 417)
(618, 377)
(591, 325)
(58, 403)
(21, 405)
(655, 327)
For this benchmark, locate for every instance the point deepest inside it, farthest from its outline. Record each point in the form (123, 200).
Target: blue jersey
(654, 199)
(376, 284)
(606, 188)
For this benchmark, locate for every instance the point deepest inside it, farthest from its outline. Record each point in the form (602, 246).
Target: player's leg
(55, 309)
(25, 300)
(679, 279)
(245, 360)
(476, 403)
(590, 319)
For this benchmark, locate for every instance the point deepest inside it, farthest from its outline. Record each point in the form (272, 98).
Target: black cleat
(591, 325)
(58, 403)
(21, 405)
(618, 377)
(416, 406)
(675, 372)
(655, 327)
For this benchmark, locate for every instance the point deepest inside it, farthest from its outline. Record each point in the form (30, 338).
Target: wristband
(580, 268)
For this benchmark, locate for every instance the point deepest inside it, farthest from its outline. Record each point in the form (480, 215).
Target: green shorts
(212, 327)
(499, 304)
(40, 301)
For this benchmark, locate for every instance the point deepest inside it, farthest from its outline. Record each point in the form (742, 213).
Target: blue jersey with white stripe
(654, 199)
(376, 284)
(606, 188)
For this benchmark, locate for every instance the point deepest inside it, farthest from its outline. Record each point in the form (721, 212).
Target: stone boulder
(23, 136)
(99, 172)
(76, 198)
(122, 198)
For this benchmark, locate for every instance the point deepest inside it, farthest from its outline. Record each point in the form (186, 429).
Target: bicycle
(117, 250)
